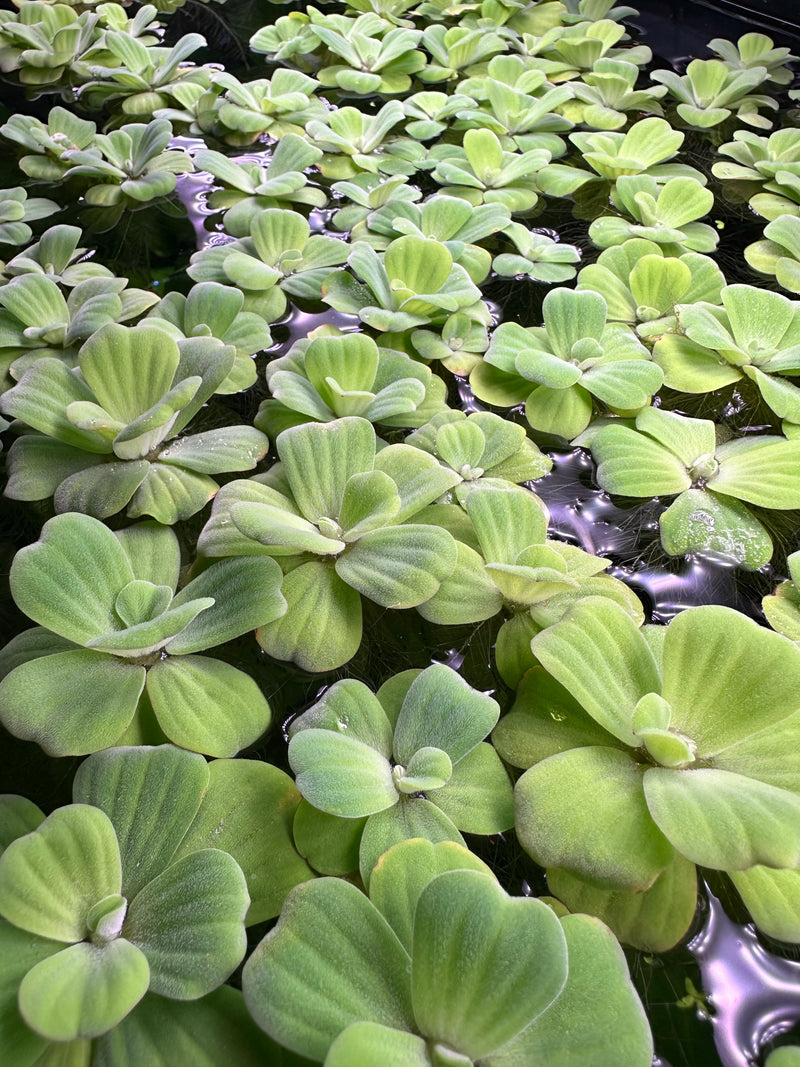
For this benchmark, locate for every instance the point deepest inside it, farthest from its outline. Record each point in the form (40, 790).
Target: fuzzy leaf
(207, 705)
(332, 960)
(84, 990)
(49, 879)
(189, 923)
(472, 947)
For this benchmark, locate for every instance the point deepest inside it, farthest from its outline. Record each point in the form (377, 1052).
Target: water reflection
(755, 995)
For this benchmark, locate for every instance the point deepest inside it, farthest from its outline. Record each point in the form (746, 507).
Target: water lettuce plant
(280, 255)
(414, 282)
(666, 215)
(284, 103)
(248, 188)
(771, 165)
(779, 253)
(56, 255)
(17, 210)
(353, 141)
(48, 141)
(440, 965)
(129, 891)
(753, 334)
(334, 375)
(114, 654)
(561, 369)
(664, 763)
(377, 57)
(646, 148)
(336, 514)
(107, 433)
(710, 92)
(603, 96)
(666, 454)
(643, 285)
(132, 162)
(396, 767)
(506, 562)
(450, 220)
(103, 949)
(537, 256)
(782, 608)
(37, 321)
(213, 310)
(481, 172)
(481, 445)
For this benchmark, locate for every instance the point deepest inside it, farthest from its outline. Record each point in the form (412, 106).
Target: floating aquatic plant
(560, 370)
(107, 433)
(391, 759)
(113, 659)
(336, 512)
(446, 969)
(666, 454)
(645, 759)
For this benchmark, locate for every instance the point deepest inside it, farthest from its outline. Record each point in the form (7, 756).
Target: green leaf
(771, 898)
(170, 494)
(605, 1029)
(507, 519)
(419, 478)
(151, 796)
(129, 369)
(765, 475)
(630, 464)
(246, 594)
(228, 448)
(320, 457)
(585, 810)
(19, 952)
(189, 923)
(478, 796)
(54, 700)
(484, 964)
(330, 844)
(340, 774)
(370, 1042)
(49, 879)
(597, 652)
(153, 551)
(428, 769)
(468, 595)
(205, 1033)
(545, 719)
(411, 817)
(321, 629)
(102, 490)
(349, 707)
(398, 566)
(207, 705)
(404, 870)
(653, 921)
(18, 816)
(70, 578)
(84, 990)
(332, 960)
(369, 502)
(757, 691)
(248, 812)
(723, 820)
(443, 711)
(700, 521)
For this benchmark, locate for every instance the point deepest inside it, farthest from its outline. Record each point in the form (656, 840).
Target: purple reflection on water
(754, 995)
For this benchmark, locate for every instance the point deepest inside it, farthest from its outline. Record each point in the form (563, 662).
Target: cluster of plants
(221, 514)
